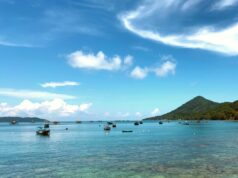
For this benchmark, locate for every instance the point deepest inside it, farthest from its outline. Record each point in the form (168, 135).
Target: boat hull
(43, 132)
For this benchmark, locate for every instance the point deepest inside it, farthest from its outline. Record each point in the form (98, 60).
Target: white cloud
(125, 115)
(139, 73)
(128, 60)
(222, 4)
(165, 69)
(59, 84)
(138, 114)
(223, 40)
(155, 112)
(99, 61)
(46, 109)
(84, 107)
(29, 94)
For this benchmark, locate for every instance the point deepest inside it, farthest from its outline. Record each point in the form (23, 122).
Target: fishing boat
(107, 128)
(45, 131)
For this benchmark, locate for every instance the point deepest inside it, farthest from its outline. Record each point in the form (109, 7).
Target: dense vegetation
(21, 119)
(200, 108)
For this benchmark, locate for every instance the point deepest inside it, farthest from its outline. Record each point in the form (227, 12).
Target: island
(21, 119)
(200, 108)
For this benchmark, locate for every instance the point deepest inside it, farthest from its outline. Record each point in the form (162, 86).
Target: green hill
(21, 119)
(202, 108)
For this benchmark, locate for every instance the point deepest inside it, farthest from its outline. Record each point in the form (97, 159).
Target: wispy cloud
(141, 48)
(128, 61)
(13, 44)
(29, 94)
(59, 84)
(223, 4)
(99, 61)
(168, 66)
(146, 22)
(46, 109)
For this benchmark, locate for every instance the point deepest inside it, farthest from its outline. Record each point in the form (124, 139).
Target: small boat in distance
(186, 123)
(141, 122)
(114, 125)
(78, 122)
(45, 131)
(107, 128)
(160, 122)
(109, 123)
(13, 122)
(136, 123)
(55, 122)
(127, 131)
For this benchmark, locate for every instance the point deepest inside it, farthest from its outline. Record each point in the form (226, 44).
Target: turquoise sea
(206, 149)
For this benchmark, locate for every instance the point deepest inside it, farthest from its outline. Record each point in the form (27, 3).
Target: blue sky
(109, 59)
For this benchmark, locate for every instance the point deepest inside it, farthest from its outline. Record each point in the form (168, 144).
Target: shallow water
(206, 149)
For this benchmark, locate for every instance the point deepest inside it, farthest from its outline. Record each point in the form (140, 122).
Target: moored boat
(107, 128)
(136, 123)
(110, 123)
(160, 122)
(13, 122)
(127, 131)
(55, 122)
(114, 125)
(45, 131)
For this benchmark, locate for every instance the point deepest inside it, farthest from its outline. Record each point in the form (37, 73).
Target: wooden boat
(45, 131)
(127, 131)
(107, 128)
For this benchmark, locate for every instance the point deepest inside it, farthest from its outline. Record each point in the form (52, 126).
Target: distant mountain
(202, 108)
(21, 119)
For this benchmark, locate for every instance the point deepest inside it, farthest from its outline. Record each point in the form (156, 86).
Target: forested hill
(21, 119)
(202, 108)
